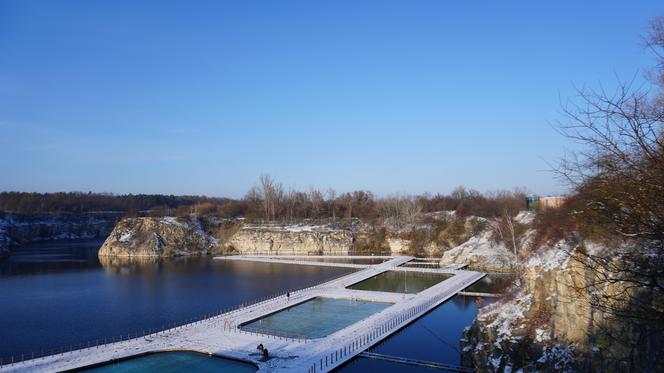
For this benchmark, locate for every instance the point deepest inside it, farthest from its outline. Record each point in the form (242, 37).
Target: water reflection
(495, 283)
(52, 257)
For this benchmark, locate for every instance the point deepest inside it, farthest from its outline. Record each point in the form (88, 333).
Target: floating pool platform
(314, 318)
(316, 329)
(407, 282)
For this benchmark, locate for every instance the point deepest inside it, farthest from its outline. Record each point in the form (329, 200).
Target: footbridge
(223, 334)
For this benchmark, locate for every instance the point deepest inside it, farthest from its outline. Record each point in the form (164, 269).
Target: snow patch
(482, 250)
(170, 220)
(300, 228)
(542, 335)
(507, 317)
(201, 232)
(552, 258)
(525, 217)
(294, 228)
(495, 362)
(126, 236)
(561, 357)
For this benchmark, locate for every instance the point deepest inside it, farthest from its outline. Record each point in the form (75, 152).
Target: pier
(223, 334)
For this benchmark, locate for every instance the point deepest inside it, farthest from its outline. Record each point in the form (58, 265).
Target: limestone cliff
(158, 237)
(548, 324)
(169, 236)
(290, 240)
(483, 252)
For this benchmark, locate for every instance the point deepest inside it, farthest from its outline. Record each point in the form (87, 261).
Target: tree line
(270, 201)
(80, 202)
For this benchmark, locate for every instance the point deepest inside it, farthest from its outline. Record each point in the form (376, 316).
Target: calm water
(493, 283)
(433, 337)
(400, 282)
(167, 362)
(58, 293)
(315, 318)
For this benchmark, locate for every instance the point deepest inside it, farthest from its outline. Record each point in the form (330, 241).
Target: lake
(56, 294)
(59, 293)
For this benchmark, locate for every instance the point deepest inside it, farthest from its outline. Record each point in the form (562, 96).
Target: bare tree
(316, 199)
(331, 199)
(272, 193)
(291, 203)
(505, 229)
(619, 184)
(400, 210)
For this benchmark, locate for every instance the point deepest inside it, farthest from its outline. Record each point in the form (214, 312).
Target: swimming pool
(173, 361)
(314, 318)
(400, 282)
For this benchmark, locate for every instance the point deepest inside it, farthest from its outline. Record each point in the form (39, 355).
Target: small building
(552, 202)
(537, 203)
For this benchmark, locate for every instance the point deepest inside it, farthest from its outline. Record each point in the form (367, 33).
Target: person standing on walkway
(288, 296)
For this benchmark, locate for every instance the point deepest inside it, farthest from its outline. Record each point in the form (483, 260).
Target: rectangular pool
(172, 361)
(315, 318)
(401, 282)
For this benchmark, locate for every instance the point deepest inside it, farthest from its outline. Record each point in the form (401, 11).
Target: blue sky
(201, 97)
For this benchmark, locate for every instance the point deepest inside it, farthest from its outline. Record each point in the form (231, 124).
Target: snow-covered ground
(292, 228)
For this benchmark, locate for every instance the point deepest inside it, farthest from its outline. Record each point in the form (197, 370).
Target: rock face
(481, 253)
(398, 245)
(168, 236)
(17, 229)
(158, 237)
(291, 240)
(547, 325)
(519, 329)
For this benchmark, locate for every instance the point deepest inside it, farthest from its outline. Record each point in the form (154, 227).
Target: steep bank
(18, 229)
(481, 253)
(158, 237)
(169, 236)
(548, 324)
(196, 235)
(291, 240)
(484, 251)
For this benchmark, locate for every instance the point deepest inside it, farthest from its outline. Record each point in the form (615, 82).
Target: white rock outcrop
(160, 237)
(482, 253)
(290, 240)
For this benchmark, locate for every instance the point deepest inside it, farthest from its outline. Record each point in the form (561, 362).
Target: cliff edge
(161, 237)
(291, 240)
